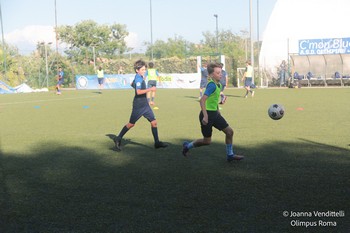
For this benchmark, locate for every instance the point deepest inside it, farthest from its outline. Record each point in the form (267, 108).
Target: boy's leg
(123, 131)
(157, 144)
(148, 97)
(135, 115)
(153, 94)
(229, 147)
(247, 92)
(186, 146)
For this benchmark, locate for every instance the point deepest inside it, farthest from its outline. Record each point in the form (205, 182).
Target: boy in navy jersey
(140, 107)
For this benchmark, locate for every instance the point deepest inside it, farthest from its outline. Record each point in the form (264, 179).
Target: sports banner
(111, 81)
(123, 81)
(5, 89)
(324, 46)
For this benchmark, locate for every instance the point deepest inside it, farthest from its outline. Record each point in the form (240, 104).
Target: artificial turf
(58, 172)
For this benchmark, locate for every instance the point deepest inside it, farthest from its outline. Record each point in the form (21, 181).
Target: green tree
(177, 47)
(87, 36)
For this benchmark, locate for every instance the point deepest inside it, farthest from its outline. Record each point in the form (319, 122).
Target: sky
(27, 22)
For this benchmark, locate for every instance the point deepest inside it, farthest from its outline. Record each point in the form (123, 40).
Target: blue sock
(229, 150)
(148, 99)
(190, 145)
(152, 99)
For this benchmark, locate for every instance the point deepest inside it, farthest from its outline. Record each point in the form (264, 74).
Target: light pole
(150, 15)
(217, 34)
(251, 37)
(46, 63)
(3, 44)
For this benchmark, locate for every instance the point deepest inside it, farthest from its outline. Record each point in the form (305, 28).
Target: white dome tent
(294, 20)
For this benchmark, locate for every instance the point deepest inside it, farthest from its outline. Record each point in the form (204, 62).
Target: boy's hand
(205, 120)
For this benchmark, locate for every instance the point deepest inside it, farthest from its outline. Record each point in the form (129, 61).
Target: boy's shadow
(236, 96)
(124, 141)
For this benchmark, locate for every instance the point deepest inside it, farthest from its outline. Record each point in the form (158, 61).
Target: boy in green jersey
(210, 116)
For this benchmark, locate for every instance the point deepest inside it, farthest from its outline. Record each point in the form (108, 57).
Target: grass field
(59, 174)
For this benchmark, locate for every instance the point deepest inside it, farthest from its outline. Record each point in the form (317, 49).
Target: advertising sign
(324, 46)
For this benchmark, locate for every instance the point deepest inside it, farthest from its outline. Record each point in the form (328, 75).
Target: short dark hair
(151, 65)
(212, 66)
(139, 64)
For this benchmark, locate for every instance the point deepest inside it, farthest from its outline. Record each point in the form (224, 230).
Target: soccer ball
(276, 111)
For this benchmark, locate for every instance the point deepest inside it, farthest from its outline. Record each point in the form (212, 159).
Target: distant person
(210, 116)
(283, 72)
(152, 76)
(248, 79)
(140, 107)
(224, 83)
(100, 78)
(204, 79)
(60, 80)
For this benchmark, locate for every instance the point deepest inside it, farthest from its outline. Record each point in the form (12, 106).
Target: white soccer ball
(276, 111)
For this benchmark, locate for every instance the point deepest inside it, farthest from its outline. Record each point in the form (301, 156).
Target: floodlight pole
(3, 44)
(46, 63)
(94, 55)
(251, 37)
(56, 28)
(47, 68)
(217, 34)
(150, 7)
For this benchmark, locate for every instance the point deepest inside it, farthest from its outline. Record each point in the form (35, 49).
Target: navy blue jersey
(204, 73)
(140, 105)
(139, 84)
(61, 74)
(223, 77)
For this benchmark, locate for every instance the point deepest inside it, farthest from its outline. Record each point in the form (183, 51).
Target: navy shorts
(60, 81)
(100, 80)
(223, 87)
(204, 82)
(151, 83)
(214, 120)
(248, 82)
(144, 111)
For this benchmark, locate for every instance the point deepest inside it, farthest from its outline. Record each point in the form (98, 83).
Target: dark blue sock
(123, 131)
(155, 134)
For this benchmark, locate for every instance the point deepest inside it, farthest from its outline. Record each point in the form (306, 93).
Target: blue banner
(123, 81)
(6, 89)
(111, 81)
(324, 46)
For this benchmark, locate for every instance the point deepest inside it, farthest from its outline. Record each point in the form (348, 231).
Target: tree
(177, 47)
(87, 36)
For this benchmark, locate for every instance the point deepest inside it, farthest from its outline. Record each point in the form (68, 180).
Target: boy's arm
(204, 109)
(144, 91)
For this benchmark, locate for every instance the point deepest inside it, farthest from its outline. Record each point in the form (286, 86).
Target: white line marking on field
(35, 101)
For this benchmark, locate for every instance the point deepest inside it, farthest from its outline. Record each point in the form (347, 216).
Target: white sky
(26, 22)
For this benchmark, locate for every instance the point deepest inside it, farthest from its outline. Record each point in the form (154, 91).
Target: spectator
(283, 71)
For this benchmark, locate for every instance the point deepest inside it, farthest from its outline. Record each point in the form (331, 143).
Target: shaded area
(55, 188)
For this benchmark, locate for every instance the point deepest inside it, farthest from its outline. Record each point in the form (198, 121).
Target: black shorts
(144, 111)
(152, 83)
(214, 120)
